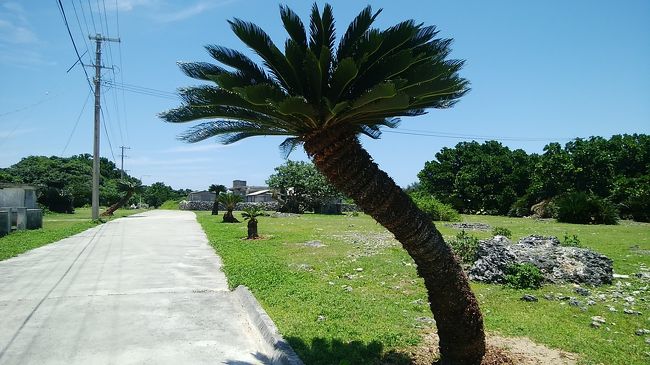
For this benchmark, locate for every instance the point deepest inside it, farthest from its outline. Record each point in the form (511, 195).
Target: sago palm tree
(324, 97)
(229, 200)
(251, 213)
(129, 188)
(217, 189)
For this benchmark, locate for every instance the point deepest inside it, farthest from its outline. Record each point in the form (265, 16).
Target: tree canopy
(301, 186)
(489, 177)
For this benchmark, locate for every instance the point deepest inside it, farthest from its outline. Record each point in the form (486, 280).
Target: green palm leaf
(355, 31)
(254, 37)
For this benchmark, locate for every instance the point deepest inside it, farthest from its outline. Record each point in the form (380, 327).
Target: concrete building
(201, 196)
(19, 208)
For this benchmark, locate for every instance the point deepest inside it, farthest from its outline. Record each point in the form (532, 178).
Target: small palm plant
(251, 213)
(323, 97)
(129, 188)
(229, 200)
(217, 189)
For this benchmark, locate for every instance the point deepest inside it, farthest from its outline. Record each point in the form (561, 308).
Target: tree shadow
(322, 351)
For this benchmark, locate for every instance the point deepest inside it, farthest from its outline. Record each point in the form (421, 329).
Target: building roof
(259, 192)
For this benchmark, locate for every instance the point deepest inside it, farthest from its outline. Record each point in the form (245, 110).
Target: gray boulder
(558, 264)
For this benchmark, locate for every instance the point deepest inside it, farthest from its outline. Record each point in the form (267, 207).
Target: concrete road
(146, 289)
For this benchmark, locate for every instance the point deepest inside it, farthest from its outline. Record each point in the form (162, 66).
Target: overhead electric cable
(119, 48)
(67, 26)
(465, 137)
(76, 123)
(110, 145)
(92, 17)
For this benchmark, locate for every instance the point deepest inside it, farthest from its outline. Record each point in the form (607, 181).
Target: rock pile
(557, 263)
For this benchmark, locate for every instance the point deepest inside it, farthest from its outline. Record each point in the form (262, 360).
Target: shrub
(570, 241)
(170, 205)
(582, 208)
(436, 210)
(520, 208)
(524, 276)
(501, 231)
(465, 246)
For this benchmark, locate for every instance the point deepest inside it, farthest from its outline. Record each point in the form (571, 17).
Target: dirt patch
(469, 226)
(367, 244)
(500, 351)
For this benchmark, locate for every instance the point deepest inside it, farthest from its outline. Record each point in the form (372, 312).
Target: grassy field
(342, 291)
(56, 226)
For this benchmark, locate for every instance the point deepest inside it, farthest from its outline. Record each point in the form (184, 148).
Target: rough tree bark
(339, 156)
(118, 205)
(252, 229)
(229, 218)
(215, 207)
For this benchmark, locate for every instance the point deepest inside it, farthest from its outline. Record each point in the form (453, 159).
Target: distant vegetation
(587, 181)
(65, 182)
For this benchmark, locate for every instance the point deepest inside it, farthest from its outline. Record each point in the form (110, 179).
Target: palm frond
(188, 113)
(344, 73)
(239, 61)
(355, 31)
(254, 37)
(294, 26)
(289, 145)
(228, 131)
(200, 70)
(321, 29)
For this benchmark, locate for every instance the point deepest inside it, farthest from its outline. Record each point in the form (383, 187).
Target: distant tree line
(595, 172)
(65, 182)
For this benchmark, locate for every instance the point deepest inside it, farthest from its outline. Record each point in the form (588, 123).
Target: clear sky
(540, 71)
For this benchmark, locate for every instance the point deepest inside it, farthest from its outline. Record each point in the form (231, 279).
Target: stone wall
(207, 205)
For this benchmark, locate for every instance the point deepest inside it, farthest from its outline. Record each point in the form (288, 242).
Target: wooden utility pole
(98, 76)
(122, 155)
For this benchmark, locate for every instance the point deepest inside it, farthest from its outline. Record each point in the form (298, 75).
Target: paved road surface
(146, 289)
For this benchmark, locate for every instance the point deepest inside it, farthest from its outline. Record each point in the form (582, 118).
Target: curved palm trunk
(118, 205)
(341, 158)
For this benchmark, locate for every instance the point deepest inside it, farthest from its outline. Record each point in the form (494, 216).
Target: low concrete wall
(5, 222)
(21, 218)
(34, 218)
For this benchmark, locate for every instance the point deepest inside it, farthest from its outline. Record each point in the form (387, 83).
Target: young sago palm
(323, 97)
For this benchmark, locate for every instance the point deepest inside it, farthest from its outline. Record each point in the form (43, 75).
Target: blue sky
(540, 72)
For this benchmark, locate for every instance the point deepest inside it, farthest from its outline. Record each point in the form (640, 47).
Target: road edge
(283, 354)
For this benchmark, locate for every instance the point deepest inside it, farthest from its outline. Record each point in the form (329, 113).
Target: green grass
(305, 289)
(56, 226)
(170, 205)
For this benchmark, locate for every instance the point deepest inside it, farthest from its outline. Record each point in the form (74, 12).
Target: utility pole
(122, 155)
(98, 76)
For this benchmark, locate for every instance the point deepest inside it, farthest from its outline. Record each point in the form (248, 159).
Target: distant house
(201, 196)
(252, 194)
(261, 196)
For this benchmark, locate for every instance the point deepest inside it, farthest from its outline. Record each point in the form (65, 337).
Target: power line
(107, 136)
(143, 90)
(119, 47)
(76, 123)
(67, 26)
(79, 24)
(92, 17)
(83, 14)
(412, 132)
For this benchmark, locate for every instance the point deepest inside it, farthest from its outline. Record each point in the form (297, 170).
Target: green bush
(436, 210)
(582, 208)
(170, 205)
(501, 231)
(465, 246)
(571, 241)
(520, 208)
(524, 276)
